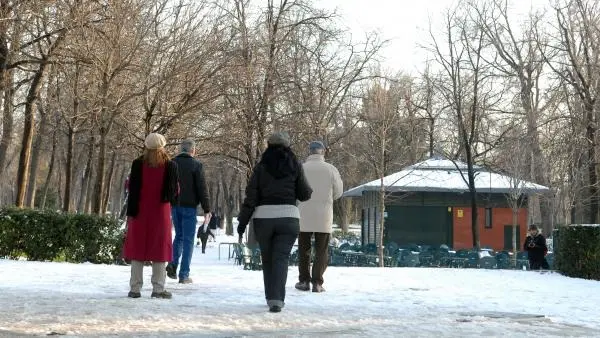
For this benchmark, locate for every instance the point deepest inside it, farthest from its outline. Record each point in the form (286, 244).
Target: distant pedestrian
(153, 186)
(316, 217)
(193, 193)
(535, 245)
(204, 232)
(276, 184)
(214, 225)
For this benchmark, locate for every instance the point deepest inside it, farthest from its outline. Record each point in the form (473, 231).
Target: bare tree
(515, 164)
(381, 118)
(47, 40)
(577, 61)
(111, 47)
(465, 87)
(8, 39)
(520, 57)
(424, 101)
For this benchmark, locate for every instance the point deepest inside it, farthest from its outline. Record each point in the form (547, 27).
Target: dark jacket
(536, 247)
(277, 179)
(192, 183)
(170, 187)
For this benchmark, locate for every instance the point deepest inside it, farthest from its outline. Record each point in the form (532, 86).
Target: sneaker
(133, 294)
(302, 286)
(275, 308)
(164, 295)
(171, 271)
(187, 280)
(317, 288)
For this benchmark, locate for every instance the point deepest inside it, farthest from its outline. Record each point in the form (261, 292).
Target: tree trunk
(341, 210)
(30, 108)
(118, 199)
(591, 169)
(71, 130)
(50, 171)
(229, 202)
(8, 38)
(66, 207)
(35, 160)
(7, 119)
(382, 170)
(60, 180)
(515, 223)
(381, 220)
(89, 192)
(28, 131)
(97, 202)
(474, 211)
(217, 201)
(109, 179)
(86, 179)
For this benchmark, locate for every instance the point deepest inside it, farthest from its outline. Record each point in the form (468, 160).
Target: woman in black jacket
(272, 194)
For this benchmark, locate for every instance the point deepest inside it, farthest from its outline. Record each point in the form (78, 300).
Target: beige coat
(316, 214)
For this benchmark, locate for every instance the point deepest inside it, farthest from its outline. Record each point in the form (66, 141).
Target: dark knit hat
(314, 145)
(279, 139)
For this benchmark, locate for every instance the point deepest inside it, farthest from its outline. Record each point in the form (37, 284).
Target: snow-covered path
(225, 301)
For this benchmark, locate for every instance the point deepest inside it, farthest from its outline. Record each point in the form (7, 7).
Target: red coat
(149, 233)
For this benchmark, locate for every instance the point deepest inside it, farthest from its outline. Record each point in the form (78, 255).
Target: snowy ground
(226, 301)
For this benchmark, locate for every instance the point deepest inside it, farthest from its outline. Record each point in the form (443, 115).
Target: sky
(405, 23)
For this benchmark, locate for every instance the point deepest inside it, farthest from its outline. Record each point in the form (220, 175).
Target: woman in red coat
(152, 188)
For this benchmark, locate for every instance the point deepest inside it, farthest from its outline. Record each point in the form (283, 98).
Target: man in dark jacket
(535, 245)
(193, 192)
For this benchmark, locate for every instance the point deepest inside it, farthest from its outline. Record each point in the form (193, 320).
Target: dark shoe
(171, 271)
(186, 281)
(275, 308)
(302, 286)
(132, 294)
(122, 262)
(164, 295)
(318, 288)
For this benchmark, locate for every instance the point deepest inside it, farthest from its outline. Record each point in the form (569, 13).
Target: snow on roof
(584, 225)
(443, 175)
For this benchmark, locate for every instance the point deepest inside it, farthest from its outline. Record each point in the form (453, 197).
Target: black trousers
(321, 256)
(538, 263)
(276, 237)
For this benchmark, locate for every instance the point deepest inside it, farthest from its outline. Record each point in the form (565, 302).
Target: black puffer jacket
(192, 183)
(277, 179)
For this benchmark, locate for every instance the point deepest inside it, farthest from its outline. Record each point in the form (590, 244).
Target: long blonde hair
(156, 157)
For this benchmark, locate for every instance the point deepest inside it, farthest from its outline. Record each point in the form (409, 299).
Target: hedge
(345, 236)
(43, 235)
(578, 251)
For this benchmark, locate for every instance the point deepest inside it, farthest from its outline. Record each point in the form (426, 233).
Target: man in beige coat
(316, 217)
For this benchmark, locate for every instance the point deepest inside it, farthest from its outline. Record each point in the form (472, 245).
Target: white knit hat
(155, 141)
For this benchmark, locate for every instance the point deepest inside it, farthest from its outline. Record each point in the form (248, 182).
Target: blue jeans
(184, 221)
